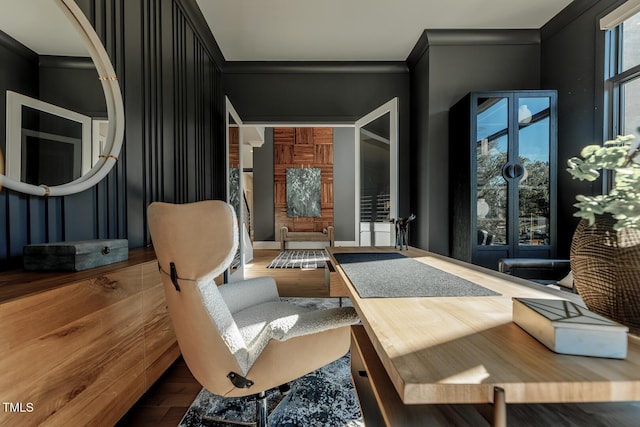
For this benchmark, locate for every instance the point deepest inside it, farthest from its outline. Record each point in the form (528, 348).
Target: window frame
(615, 79)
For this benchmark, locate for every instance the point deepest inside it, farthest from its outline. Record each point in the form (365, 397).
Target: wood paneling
(303, 148)
(83, 347)
(234, 147)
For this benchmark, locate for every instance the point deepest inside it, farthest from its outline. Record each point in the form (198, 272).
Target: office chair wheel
(284, 389)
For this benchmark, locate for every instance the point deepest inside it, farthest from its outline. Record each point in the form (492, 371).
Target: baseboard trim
(301, 245)
(266, 245)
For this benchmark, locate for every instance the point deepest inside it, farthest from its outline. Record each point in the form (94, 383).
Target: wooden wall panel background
(303, 148)
(234, 147)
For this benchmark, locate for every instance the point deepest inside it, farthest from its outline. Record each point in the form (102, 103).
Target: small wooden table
(417, 352)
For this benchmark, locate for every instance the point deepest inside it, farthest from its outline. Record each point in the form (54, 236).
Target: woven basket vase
(606, 270)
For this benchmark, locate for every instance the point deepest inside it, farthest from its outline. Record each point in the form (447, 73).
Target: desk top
(457, 349)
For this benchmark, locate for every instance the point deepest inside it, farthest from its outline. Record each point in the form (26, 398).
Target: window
(631, 42)
(623, 77)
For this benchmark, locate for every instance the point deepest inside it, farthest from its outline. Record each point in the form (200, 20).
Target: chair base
(261, 410)
(261, 414)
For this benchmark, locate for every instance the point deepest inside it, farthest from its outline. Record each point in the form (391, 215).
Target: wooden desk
(465, 350)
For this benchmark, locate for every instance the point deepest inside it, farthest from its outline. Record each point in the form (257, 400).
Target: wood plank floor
(169, 398)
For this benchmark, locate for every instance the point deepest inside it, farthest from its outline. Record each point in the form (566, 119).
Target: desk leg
(499, 408)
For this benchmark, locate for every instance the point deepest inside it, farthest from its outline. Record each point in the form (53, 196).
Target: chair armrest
(247, 293)
(331, 232)
(312, 322)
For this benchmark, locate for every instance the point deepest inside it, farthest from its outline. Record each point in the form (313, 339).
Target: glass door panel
(492, 124)
(534, 185)
(376, 184)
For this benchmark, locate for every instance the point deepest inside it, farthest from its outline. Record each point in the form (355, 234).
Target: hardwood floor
(169, 398)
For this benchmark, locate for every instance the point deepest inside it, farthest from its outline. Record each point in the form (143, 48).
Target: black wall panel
(451, 64)
(263, 211)
(21, 77)
(572, 62)
(169, 71)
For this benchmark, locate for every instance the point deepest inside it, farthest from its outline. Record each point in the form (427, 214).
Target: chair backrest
(200, 239)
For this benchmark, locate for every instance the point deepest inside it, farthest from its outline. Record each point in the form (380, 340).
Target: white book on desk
(568, 328)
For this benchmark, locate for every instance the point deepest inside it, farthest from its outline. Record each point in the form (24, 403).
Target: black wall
(309, 92)
(263, 210)
(572, 61)
(81, 90)
(21, 76)
(446, 65)
(168, 66)
(344, 179)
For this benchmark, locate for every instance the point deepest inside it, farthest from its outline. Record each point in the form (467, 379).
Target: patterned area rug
(305, 259)
(325, 397)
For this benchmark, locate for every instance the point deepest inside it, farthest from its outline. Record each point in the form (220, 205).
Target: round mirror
(63, 133)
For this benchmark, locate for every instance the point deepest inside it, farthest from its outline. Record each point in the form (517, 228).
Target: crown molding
(470, 37)
(315, 67)
(74, 62)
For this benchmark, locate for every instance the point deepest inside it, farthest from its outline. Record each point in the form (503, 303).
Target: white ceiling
(301, 30)
(358, 30)
(41, 26)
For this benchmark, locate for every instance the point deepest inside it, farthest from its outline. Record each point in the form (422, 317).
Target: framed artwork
(303, 192)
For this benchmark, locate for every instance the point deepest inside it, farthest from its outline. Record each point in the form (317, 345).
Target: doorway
(377, 132)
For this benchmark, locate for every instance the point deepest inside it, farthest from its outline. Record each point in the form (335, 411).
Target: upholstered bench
(540, 270)
(305, 236)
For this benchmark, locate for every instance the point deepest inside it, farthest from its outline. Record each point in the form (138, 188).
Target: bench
(305, 236)
(540, 270)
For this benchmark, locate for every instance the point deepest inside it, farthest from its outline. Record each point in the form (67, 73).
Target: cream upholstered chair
(237, 339)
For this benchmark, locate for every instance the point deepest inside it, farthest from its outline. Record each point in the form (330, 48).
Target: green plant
(623, 201)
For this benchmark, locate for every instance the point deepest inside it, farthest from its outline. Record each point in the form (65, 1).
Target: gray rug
(393, 275)
(305, 259)
(325, 397)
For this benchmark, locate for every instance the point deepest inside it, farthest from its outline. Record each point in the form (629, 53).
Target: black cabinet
(503, 173)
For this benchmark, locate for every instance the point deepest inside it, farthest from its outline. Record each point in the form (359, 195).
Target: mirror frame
(115, 114)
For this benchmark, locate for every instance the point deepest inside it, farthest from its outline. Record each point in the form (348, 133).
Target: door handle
(518, 170)
(512, 171)
(507, 171)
